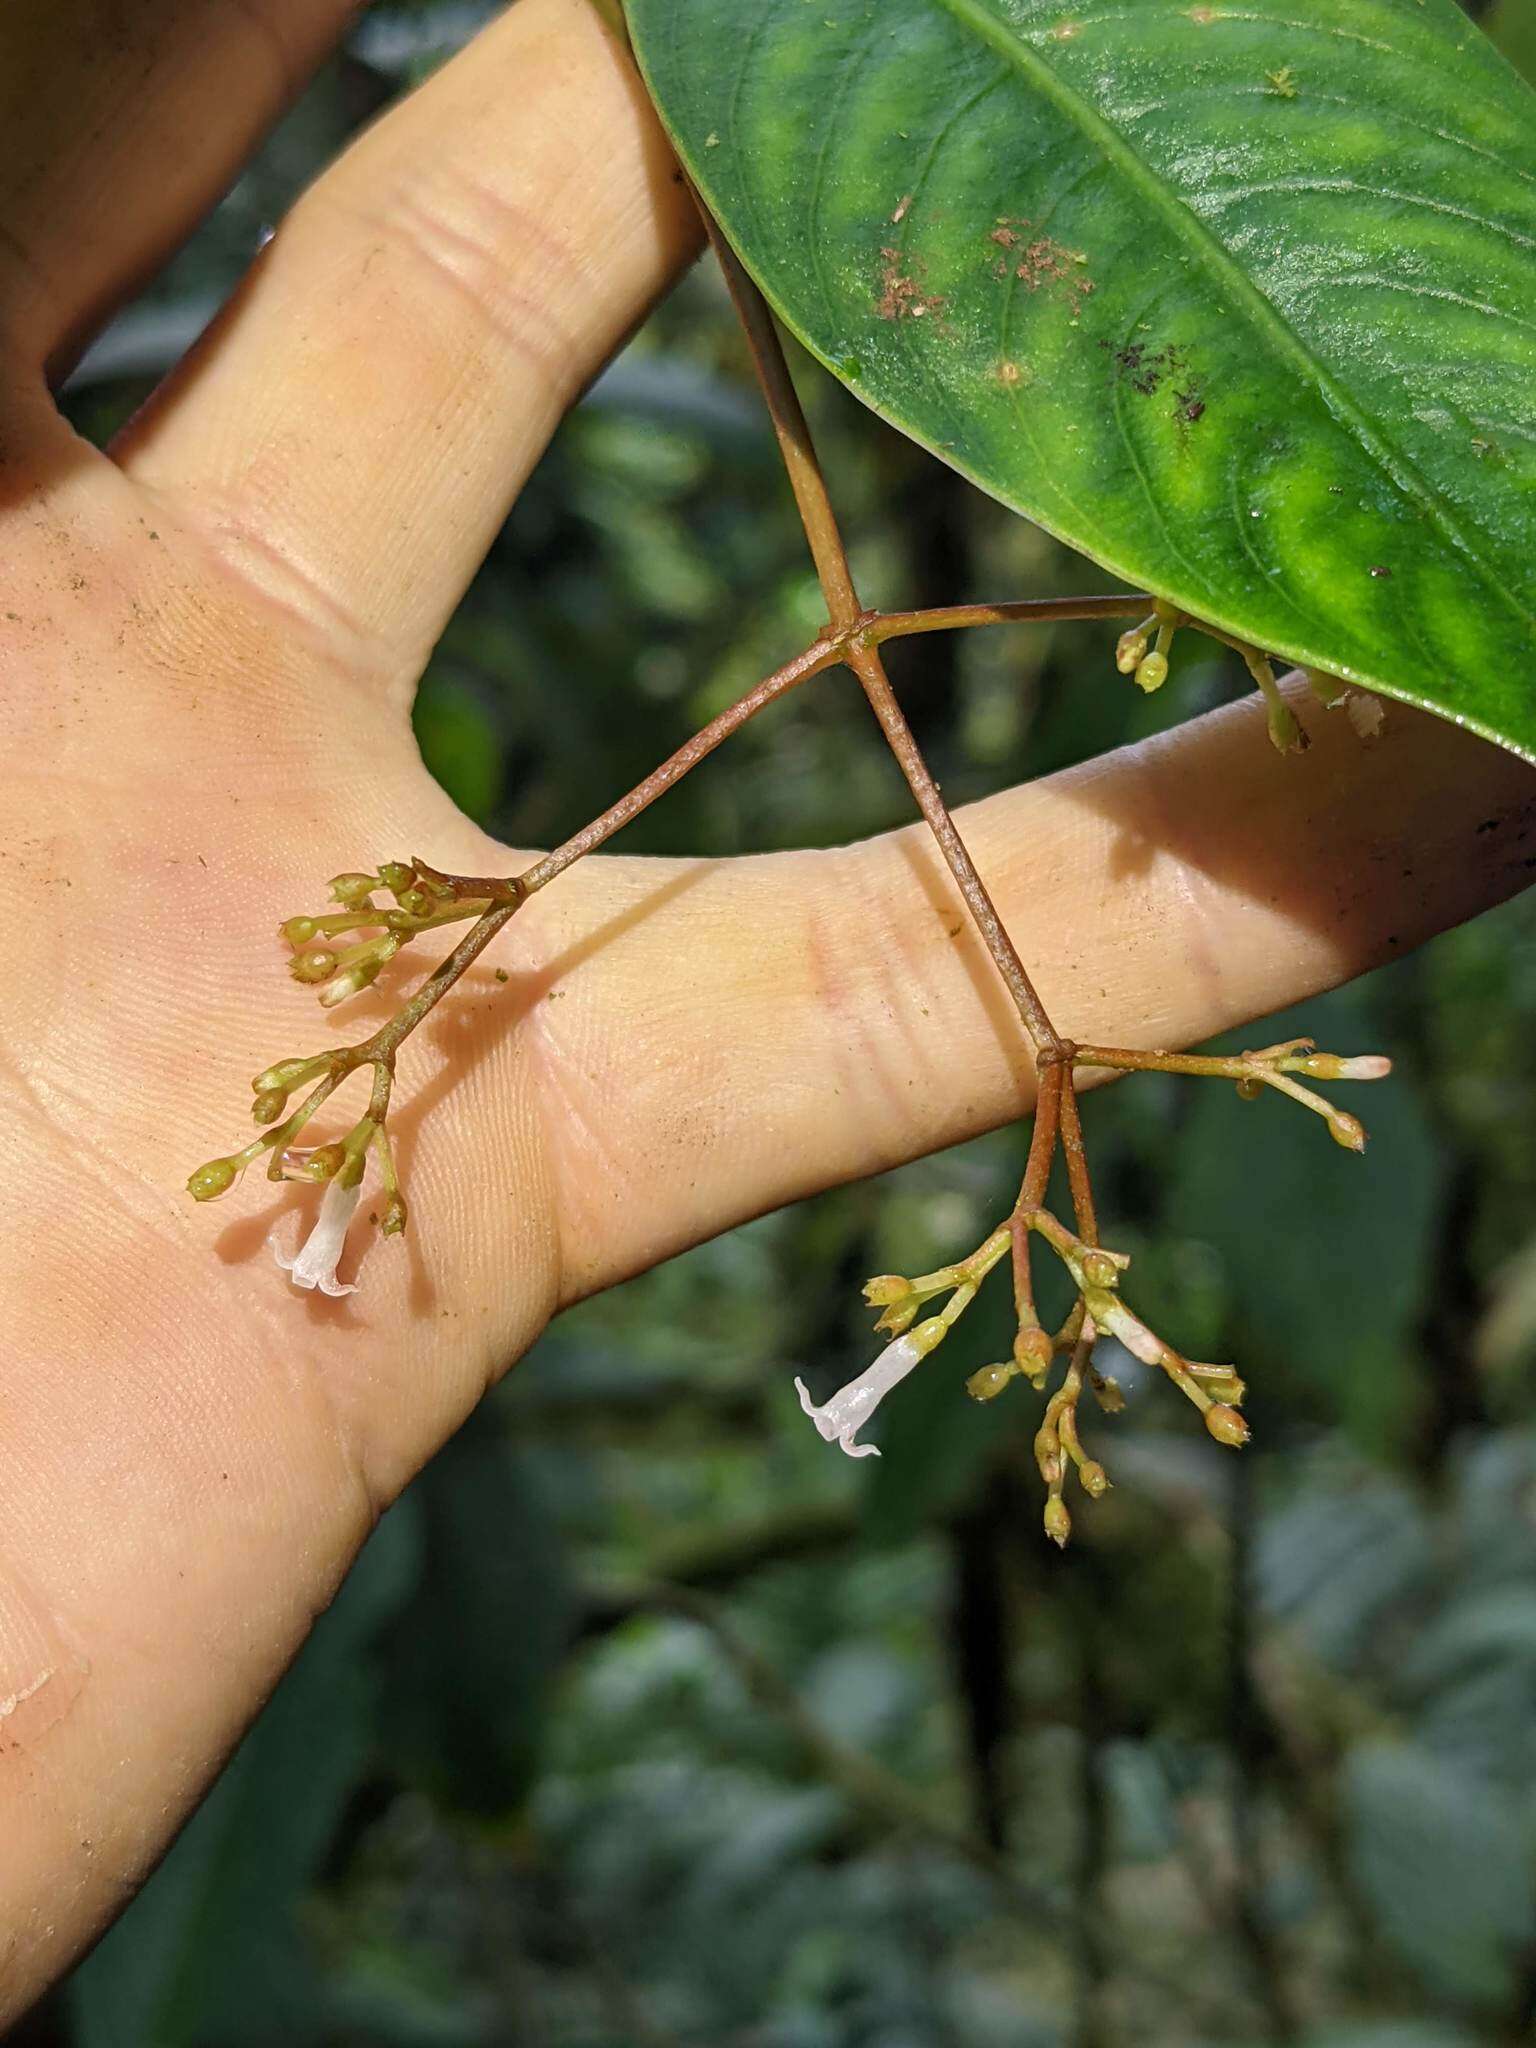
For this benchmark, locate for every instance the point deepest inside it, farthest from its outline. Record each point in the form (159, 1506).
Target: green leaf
(474, 1659)
(1444, 1866)
(459, 743)
(1299, 1228)
(1237, 299)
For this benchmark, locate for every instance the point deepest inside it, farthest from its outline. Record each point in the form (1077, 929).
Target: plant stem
(1037, 1172)
(860, 653)
(948, 618)
(822, 653)
(1077, 1160)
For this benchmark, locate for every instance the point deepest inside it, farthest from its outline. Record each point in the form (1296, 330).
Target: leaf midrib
(1261, 313)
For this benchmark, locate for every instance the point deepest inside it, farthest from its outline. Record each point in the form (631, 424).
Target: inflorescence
(331, 953)
(342, 952)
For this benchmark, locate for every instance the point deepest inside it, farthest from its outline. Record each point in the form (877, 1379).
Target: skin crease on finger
(190, 1452)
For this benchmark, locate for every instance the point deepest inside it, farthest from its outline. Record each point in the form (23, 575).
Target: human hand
(208, 645)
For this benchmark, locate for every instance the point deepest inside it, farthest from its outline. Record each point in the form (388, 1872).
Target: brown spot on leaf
(1041, 264)
(901, 293)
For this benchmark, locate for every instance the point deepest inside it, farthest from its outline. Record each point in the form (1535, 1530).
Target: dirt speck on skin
(901, 293)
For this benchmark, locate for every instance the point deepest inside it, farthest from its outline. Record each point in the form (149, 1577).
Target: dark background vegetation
(646, 1718)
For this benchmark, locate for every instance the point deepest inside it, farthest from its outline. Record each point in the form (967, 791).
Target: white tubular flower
(1369, 1066)
(314, 1264)
(841, 1419)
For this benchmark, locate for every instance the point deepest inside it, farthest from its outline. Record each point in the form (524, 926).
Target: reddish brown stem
(1037, 1173)
(860, 653)
(822, 653)
(1077, 1160)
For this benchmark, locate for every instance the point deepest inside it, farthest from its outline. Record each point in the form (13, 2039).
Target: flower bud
(317, 964)
(1048, 1455)
(325, 1161)
(298, 931)
(1131, 649)
(1152, 673)
(1058, 1523)
(899, 1318)
(1100, 1269)
(1347, 1130)
(415, 902)
(396, 875)
(1094, 1479)
(269, 1105)
(212, 1179)
(1226, 1425)
(1328, 1066)
(350, 982)
(1221, 1382)
(885, 1289)
(1033, 1352)
(929, 1334)
(352, 890)
(395, 1216)
(987, 1384)
(287, 1074)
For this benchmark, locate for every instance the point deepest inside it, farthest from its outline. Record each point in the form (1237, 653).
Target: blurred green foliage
(648, 1720)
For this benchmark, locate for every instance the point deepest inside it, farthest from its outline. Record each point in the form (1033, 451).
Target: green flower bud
(1099, 1269)
(415, 902)
(1347, 1130)
(212, 1180)
(1048, 1455)
(1131, 650)
(352, 890)
(1033, 1353)
(269, 1105)
(298, 931)
(1226, 1425)
(929, 1334)
(317, 964)
(1095, 1480)
(396, 875)
(885, 1289)
(325, 1161)
(1058, 1523)
(287, 1075)
(987, 1384)
(899, 1318)
(1151, 674)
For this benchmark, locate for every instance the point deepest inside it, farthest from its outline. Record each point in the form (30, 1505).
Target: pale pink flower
(840, 1419)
